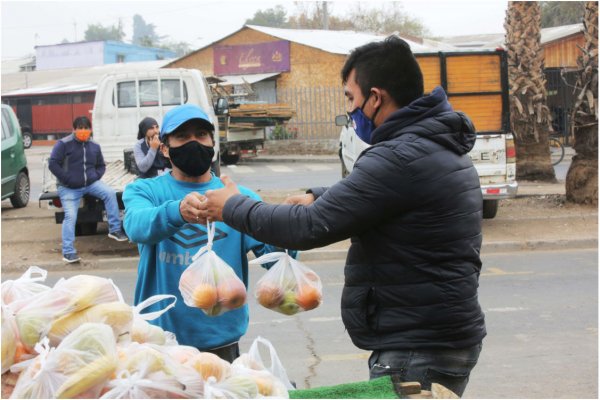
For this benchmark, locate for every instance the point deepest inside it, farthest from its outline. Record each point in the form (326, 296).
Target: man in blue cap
(161, 216)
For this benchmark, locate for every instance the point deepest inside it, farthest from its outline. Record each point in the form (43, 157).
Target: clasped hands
(197, 209)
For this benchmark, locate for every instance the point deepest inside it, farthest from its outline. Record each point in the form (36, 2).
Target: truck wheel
(490, 208)
(27, 140)
(86, 228)
(21, 196)
(230, 159)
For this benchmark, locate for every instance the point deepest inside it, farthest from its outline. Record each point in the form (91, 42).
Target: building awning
(251, 78)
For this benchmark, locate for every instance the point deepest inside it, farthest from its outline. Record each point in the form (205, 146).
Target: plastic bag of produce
(12, 349)
(18, 292)
(209, 283)
(116, 314)
(289, 286)
(89, 290)
(79, 367)
(34, 319)
(145, 370)
(209, 364)
(144, 332)
(234, 387)
(270, 376)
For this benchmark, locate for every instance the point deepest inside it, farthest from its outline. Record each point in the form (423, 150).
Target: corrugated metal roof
(559, 32)
(337, 42)
(60, 78)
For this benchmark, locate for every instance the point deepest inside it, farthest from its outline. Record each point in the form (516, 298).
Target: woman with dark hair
(150, 162)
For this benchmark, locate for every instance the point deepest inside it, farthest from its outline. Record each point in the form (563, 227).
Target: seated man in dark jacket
(412, 207)
(78, 164)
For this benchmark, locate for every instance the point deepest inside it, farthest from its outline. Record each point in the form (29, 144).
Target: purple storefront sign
(252, 58)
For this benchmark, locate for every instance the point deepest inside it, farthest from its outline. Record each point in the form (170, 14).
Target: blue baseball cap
(181, 114)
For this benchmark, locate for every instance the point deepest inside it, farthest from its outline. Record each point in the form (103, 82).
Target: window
(170, 92)
(8, 130)
(148, 93)
(120, 58)
(126, 94)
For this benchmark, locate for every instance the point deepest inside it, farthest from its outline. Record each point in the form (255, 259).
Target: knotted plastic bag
(79, 367)
(209, 283)
(289, 287)
(16, 293)
(144, 332)
(270, 377)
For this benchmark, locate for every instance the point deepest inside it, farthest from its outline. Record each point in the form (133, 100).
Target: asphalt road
(255, 175)
(541, 313)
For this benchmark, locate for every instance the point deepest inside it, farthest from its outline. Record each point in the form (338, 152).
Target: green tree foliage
(274, 17)
(557, 13)
(144, 34)
(99, 32)
(180, 48)
(385, 18)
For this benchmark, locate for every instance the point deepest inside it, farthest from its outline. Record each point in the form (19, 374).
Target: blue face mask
(363, 125)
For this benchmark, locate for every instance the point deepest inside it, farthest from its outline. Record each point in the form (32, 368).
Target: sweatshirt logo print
(192, 236)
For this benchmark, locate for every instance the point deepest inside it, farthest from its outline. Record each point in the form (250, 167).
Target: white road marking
(279, 168)
(319, 167)
(241, 169)
(506, 309)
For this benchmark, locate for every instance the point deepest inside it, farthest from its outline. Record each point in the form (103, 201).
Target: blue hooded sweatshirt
(167, 243)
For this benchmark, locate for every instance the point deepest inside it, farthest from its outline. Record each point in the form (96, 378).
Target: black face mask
(192, 158)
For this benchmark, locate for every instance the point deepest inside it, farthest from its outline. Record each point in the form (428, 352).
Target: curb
(291, 159)
(120, 263)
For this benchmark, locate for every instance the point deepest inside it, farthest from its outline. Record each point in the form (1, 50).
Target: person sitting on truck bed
(161, 217)
(149, 160)
(77, 162)
(412, 207)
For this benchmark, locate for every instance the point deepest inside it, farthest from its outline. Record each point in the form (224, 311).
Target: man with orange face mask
(78, 164)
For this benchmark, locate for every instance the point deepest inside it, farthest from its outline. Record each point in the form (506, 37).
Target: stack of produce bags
(79, 339)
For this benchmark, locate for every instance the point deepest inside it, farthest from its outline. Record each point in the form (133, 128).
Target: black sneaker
(71, 258)
(119, 236)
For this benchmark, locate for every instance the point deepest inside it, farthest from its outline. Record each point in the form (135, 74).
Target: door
(9, 156)
(24, 112)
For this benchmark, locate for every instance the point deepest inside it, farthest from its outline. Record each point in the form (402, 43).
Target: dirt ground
(31, 237)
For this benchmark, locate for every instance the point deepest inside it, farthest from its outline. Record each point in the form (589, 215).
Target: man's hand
(155, 142)
(190, 208)
(212, 208)
(302, 199)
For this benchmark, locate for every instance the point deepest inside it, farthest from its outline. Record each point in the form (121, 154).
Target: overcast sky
(26, 24)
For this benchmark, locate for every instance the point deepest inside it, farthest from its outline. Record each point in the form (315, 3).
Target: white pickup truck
(122, 101)
(476, 83)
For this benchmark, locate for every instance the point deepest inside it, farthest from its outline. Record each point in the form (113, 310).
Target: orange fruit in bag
(232, 293)
(269, 295)
(204, 296)
(308, 297)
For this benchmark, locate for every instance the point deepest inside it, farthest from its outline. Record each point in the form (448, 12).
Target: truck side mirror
(222, 106)
(342, 120)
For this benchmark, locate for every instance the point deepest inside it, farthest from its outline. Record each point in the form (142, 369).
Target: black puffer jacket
(412, 206)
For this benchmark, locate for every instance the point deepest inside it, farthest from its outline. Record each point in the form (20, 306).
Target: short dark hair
(388, 65)
(82, 121)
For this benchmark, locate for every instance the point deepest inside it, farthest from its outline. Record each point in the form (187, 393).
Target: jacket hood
(431, 117)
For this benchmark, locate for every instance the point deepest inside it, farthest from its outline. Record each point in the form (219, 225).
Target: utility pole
(75, 29)
(325, 16)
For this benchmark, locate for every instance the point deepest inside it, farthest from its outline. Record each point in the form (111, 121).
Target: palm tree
(530, 117)
(582, 178)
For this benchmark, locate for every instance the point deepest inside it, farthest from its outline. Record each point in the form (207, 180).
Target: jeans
(70, 201)
(448, 367)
